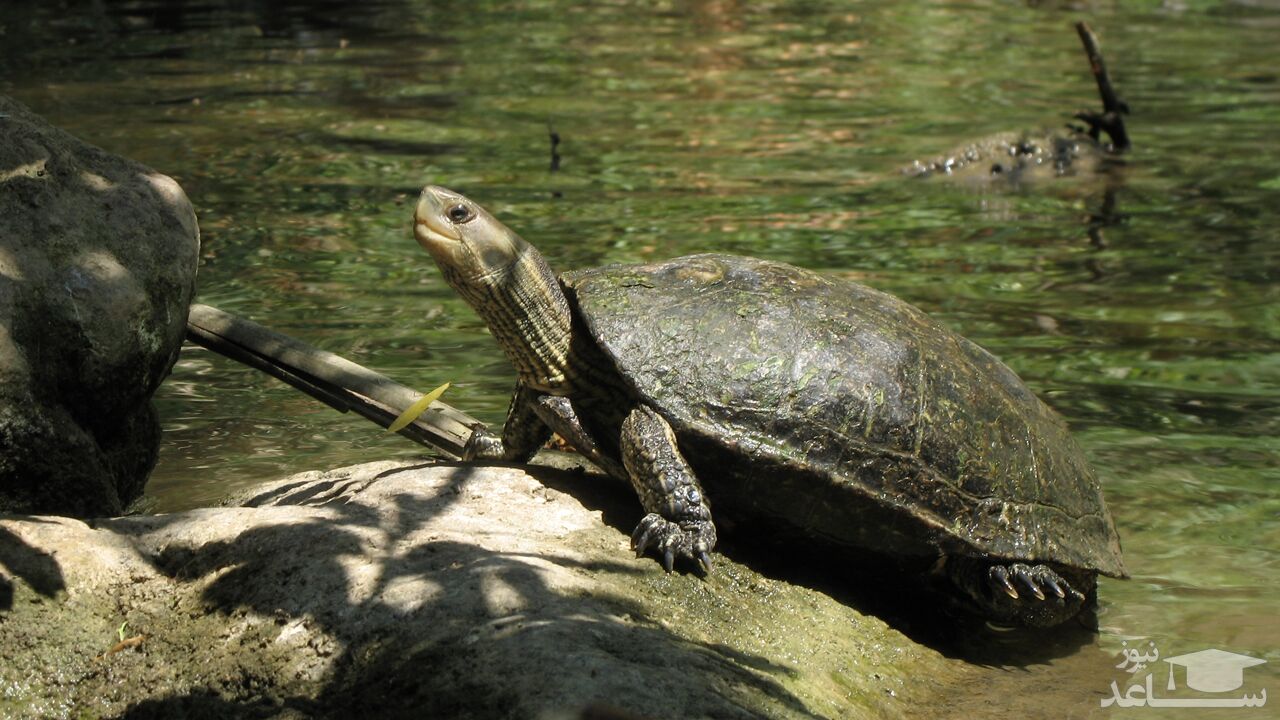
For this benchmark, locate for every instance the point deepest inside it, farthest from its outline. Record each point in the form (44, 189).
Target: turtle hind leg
(1036, 595)
(678, 523)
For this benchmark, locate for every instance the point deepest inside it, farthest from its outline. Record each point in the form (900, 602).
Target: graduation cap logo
(1212, 670)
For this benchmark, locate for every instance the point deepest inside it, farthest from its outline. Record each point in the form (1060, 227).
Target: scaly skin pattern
(679, 521)
(566, 384)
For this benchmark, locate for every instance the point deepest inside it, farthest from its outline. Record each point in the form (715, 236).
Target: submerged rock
(432, 590)
(1012, 158)
(97, 268)
(1017, 158)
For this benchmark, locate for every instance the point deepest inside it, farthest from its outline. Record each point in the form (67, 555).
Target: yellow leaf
(417, 409)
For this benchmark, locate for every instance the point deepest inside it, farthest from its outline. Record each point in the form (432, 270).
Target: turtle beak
(430, 228)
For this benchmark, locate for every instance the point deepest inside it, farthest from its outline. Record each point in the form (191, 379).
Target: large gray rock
(97, 268)
(395, 590)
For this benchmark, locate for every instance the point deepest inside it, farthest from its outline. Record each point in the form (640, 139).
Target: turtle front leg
(679, 520)
(522, 434)
(533, 417)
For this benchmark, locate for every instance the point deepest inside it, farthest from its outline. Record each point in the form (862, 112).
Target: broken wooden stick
(339, 383)
(133, 642)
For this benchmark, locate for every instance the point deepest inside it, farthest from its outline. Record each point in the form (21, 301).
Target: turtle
(796, 403)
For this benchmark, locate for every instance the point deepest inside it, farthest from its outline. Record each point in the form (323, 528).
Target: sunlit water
(302, 135)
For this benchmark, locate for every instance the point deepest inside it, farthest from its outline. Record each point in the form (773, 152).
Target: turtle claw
(642, 534)
(705, 560)
(670, 540)
(1037, 588)
(1023, 574)
(1020, 593)
(648, 532)
(1053, 585)
(1000, 580)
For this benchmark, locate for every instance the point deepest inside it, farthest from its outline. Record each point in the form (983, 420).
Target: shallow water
(1142, 304)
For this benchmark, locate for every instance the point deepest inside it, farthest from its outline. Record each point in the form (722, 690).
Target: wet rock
(395, 590)
(97, 268)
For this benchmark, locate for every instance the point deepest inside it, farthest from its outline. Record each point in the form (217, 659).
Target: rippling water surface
(1142, 303)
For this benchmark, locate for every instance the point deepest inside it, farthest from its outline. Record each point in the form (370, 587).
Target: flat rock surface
(430, 590)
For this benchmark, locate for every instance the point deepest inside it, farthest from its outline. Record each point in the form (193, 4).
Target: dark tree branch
(1110, 120)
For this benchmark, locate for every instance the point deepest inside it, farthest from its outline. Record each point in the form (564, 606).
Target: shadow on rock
(872, 585)
(444, 591)
(901, 595)
(201, 705)
(35, 567)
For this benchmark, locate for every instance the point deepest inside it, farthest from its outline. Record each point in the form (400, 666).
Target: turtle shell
(832, 409)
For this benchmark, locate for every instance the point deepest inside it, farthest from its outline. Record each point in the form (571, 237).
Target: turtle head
(468, 243)
(505, 280)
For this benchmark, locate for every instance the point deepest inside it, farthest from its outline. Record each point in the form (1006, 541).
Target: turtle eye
(459, 213)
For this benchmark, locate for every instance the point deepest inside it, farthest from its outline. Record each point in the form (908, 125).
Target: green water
(303, 132)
